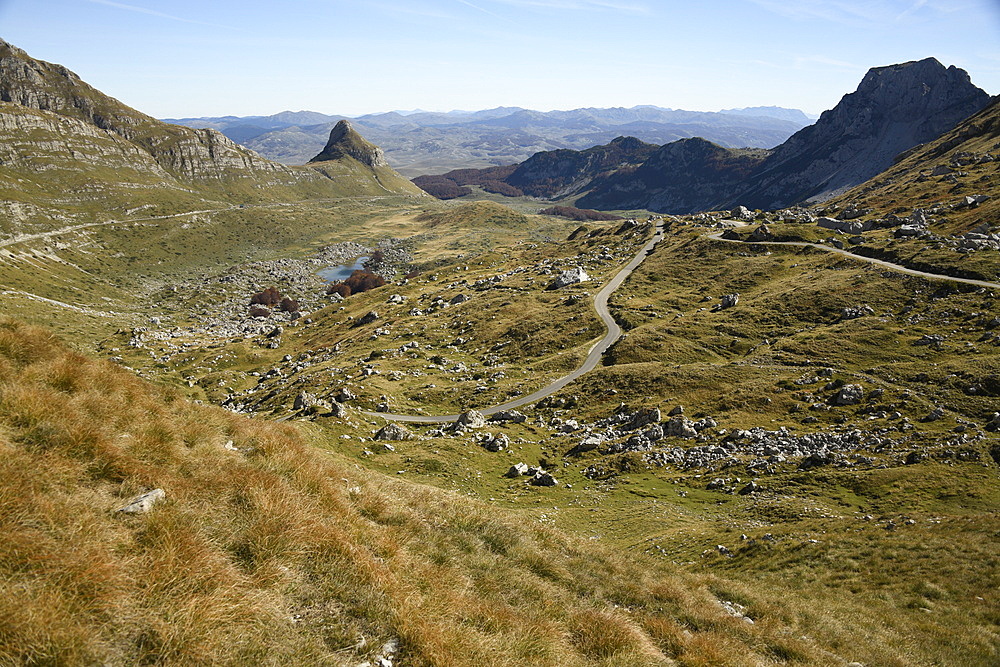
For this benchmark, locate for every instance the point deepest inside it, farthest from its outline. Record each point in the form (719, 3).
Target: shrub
(339, 288)
(259, 311)
(362, 281)
(288, 305)
(269, 297)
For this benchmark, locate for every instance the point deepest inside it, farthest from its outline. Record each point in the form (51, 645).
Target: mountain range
(422, 142)
(893, 109)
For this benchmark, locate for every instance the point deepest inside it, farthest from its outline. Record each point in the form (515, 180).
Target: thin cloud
(579, 5)
(152, 12)
(485, 11)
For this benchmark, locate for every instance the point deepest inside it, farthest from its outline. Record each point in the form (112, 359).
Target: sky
(193, 58)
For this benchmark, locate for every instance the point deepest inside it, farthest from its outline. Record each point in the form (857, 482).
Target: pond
(336, 274)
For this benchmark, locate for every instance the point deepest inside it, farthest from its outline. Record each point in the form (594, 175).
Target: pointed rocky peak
(346, 142)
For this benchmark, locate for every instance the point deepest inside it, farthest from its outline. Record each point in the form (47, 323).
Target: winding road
(717, 236)
(614, 331)
(589, 364)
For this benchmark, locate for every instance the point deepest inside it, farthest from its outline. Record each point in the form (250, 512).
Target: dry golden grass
(279, 553)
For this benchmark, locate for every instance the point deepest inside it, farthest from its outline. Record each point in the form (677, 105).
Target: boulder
(570, 277)
(741, 213)
(508, 417)
(144, 502)
(680, 427)
(543, 478)
(368, 317)
(728, 301)
(457, 299)
(849, 394)
(517, 470)
(471, 419)
(393, 432)
(762, 233)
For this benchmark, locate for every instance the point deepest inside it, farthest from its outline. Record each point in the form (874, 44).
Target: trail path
(861, 258)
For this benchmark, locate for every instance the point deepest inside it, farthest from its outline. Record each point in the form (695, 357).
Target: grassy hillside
(266, 549)
(957, 155)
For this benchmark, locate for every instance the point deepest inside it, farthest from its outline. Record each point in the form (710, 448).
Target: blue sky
(178, 58)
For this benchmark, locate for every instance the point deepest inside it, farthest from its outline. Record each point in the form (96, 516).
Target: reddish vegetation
(581, 214)
(360, 281)
(259, 311)
(453, 184)
(269, 297)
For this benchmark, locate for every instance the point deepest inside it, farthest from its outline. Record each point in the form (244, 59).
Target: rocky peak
(893, 109)
(346, 142)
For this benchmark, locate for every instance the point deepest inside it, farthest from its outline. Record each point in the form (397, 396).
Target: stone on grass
(471, 419)
(393, 432)
(144, 502)
(849, 394)
(570, 277)
(543, 478)
(517, 470)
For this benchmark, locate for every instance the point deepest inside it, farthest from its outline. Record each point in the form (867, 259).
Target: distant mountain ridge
(423, 142)
(894, 108)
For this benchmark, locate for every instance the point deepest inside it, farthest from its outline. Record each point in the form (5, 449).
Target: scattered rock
(393, 432)
(849, 394)
(144, 502)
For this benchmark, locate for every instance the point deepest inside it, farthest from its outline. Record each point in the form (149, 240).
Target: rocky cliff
(187, 153)
(893, 109)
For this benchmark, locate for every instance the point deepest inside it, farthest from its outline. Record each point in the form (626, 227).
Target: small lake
(336, 274)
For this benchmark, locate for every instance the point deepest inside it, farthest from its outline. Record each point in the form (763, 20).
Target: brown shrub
(269, 297)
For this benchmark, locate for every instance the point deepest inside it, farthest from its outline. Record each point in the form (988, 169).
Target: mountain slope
(940, 174)
(893, 109)
(72, 154)
(268, 550)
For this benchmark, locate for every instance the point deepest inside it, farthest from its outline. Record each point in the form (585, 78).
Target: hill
(73, 155)
(264, 548)
(893, 109)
